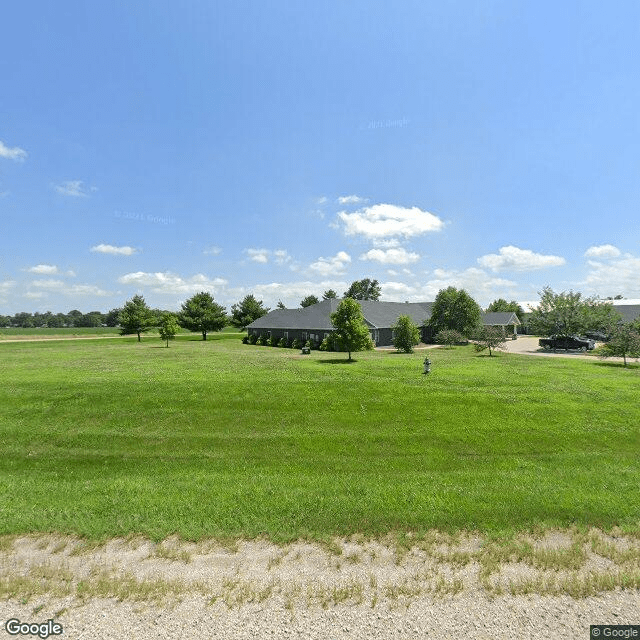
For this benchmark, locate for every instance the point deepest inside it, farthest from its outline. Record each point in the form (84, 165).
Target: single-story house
(508, 320)
(313, 323)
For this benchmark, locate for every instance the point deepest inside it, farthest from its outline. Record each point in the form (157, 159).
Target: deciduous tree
(502, 305)
(406, 334)
(168, 327)
(624, 342)
(201, 313)
(329, 294)
(455, 309)
(365, 289)
(111, 318)
(449, 337)
(490, 338)
(351, 331)
(570, 313)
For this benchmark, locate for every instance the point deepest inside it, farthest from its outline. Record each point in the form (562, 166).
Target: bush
(261, 341)
(283, 342)
(296, 344)
(329, 343)
(406, 334)
(252, 339)
(450, 337)
(245, 340)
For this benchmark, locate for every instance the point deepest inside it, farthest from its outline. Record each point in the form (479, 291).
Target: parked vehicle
(598, 336)
(567, 343)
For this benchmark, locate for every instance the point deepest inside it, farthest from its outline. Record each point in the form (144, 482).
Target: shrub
(252, 339)
(406, 334)
(283, 342)
(261, 341)
(296, 344)
(491, 338)
(449, 337)
(324, 345)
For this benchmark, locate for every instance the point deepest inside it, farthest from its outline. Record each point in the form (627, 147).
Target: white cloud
(513, 258)
(473, 280)
(390, 256)
(44, 269)
(34, 295)
(331, 266)
(59, 286)
(259, 255)
(616, 276)
(12, 153)
(85, 290)
(50, 284)
(212, 251)
(281, 256)
(321, 200)
(166, 282)
(6, 286)
(602, 251)
(114, 251)
(351, 199)
(388, 220)
(263, 256)
(74, 188)
(391, 243)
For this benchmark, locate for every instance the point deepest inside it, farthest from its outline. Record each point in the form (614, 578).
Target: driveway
(528, 345)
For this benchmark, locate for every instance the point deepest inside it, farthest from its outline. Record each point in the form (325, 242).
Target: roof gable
(499, 318)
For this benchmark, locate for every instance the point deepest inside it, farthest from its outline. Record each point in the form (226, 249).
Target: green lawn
(46, 332)
(217, 438)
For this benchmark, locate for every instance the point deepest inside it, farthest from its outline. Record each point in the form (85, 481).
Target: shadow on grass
(630, 365)
(341, 361)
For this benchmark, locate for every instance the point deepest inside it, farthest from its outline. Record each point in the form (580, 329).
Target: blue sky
(283, 148)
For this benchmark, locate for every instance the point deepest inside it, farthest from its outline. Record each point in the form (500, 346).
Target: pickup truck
(567, 342)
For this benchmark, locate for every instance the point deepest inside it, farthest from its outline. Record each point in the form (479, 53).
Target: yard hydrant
(427, 365)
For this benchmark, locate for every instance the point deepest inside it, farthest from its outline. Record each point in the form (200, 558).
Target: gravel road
(135, 589)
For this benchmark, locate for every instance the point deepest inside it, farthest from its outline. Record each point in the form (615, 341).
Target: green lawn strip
(222, 439)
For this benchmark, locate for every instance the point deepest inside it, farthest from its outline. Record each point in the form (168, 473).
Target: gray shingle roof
(629, 312)
(499, 318)
(318, 316)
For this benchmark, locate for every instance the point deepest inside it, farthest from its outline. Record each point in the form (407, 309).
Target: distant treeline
(74, 318)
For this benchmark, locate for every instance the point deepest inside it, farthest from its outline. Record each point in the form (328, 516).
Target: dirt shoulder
(437, 587)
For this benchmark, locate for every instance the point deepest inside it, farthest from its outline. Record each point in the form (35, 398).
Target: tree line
(455, 316)
(242, 313)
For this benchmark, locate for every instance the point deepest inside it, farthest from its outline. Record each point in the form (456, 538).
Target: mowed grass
(60, 332)
(220, 439)
(24, 333)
